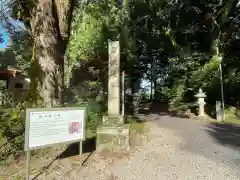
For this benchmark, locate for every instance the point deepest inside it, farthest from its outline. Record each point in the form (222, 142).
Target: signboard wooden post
(46, 127)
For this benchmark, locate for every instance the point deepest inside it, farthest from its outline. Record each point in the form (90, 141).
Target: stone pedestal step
(113, 137)
(111, 120)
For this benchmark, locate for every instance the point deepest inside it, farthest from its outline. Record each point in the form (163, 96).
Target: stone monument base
(113, 137)
(113, 120)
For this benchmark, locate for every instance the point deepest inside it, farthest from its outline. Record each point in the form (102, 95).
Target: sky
(4, 35)
(4, 38)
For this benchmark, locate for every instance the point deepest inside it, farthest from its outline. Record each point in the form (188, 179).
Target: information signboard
(46, 127)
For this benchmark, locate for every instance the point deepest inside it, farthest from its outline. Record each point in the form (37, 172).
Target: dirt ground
(64, 162)
(172, 148)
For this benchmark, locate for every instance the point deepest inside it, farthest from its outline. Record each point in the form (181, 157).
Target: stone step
(112, 120)
(115, 137)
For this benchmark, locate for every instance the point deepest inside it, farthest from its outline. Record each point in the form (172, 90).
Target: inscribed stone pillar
(219, 112)
(114, 78)
(113, 134)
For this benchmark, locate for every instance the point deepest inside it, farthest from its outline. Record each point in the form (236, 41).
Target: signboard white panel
(45, 127)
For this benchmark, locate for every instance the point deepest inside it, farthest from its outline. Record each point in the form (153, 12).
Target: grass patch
(136, 125)
(232, 116)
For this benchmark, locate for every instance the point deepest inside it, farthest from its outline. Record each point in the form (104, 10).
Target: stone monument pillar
(123, 94)
(201, 95)
(136, 98)
(114, 79)
(219, 111)
(113, 134)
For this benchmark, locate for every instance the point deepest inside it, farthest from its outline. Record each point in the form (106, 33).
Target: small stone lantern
(201, 95)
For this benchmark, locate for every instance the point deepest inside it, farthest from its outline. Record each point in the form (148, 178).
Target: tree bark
(50, 30)
(155, 89)
(44, 28)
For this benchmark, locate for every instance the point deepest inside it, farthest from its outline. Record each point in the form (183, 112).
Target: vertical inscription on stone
(114, 78)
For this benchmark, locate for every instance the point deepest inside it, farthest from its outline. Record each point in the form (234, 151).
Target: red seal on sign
(74, 127)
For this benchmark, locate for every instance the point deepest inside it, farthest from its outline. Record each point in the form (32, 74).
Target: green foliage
(135, 125)
(187, 75)
(94, 118)
(12, 127)
(93, 24)
(185, 39)
(86, 36)
(21, 10)
(232, 115)
(12, 132)
(18, 53)
(177, 97)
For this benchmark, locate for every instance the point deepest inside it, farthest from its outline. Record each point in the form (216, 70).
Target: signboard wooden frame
(27, 128)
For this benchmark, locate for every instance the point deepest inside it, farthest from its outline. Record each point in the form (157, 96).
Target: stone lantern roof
(200, 94)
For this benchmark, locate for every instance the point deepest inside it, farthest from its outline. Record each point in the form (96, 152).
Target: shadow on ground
(89, 146)
(225, 134)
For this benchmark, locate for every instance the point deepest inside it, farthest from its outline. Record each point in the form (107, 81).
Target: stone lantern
(201, 103)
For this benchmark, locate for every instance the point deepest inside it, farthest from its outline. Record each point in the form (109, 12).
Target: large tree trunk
(155, 89)
(50, 32)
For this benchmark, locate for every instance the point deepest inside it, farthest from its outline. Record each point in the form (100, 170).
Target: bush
(12, 128)
(94, 111)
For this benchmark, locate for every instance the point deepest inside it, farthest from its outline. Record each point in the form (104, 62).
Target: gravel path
(180, 149)
(174, 149)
